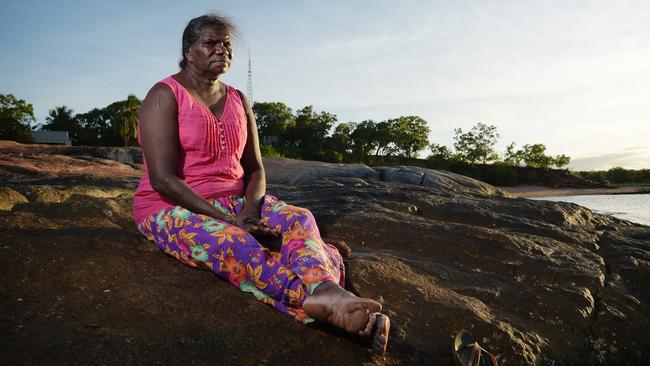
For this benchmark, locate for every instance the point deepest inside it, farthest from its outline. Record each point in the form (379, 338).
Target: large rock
(536, 282)
(299, 172)
(294, 172)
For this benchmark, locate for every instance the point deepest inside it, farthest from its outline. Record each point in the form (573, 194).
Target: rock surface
(536, 282)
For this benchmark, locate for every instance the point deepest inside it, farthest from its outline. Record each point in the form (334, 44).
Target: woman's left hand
(255, 226)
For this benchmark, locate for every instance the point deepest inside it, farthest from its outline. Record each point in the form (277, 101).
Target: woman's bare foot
(331, 303)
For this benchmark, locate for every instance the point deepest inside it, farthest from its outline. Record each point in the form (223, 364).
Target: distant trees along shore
(113, 125)
(308, 134)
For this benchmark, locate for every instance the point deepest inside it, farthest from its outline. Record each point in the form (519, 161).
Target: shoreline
(542, 191)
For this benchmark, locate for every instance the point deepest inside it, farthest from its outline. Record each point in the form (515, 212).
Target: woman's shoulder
(238, 94)
(163, 91)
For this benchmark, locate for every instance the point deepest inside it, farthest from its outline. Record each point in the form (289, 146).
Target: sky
(573, 75)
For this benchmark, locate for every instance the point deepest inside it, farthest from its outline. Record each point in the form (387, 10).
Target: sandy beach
(542, 191)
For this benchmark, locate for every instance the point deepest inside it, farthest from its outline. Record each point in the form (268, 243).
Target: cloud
(635, 157)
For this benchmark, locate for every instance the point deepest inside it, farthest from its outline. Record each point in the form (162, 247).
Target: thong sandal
(470, 353)
(380, 334)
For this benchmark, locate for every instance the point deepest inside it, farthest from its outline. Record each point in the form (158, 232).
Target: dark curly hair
(193, 29)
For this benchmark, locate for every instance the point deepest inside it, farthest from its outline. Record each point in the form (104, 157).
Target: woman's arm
(251, 160)
(160, 145)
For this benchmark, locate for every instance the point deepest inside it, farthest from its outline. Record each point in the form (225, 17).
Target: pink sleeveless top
(210, 151)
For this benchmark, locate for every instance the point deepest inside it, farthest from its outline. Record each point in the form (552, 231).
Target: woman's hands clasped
(265, 234)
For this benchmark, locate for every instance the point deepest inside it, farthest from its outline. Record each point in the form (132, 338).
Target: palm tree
(129, 123)
(61, 119)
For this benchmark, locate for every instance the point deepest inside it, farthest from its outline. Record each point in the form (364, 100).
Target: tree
(129, 122)
(123, 117)
(341, 140)
(440, 152)
(512, 156)
(309, 132)
(94, 128)
(16, 117)
(385, 138)
(477, 145)
(619, 175)
(534, 157)
(364, 139)
(595, 176)
(61, 118)
(410, 135)
(561, 160)
(273, 119)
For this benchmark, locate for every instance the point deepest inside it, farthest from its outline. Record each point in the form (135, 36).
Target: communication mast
(249, 84)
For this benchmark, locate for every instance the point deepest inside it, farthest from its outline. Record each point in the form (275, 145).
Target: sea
(631, 207)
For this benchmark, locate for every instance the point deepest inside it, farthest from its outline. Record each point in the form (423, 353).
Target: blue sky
(574, 75)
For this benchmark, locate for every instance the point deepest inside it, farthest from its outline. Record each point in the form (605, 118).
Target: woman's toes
(369, 326)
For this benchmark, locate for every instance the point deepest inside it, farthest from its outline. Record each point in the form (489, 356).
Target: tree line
(114, 125)
(304, 135)
(307, 134)
(617, 175)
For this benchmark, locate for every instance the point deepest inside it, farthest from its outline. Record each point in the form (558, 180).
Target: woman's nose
(220, 49)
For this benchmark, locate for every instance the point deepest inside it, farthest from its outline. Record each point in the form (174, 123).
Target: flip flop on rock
(380, 334)
(470, 353)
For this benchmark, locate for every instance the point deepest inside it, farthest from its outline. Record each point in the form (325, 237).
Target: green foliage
(61, 118)
(341, 140)
(499, 174)
(384, 139)
(332, 156)
(270, 152)
(595, 176)
(16, 117)
(561, 160)
(364, 139)
(95, 128)
(273, 120)
(533, 156)
(513, 157)
(409, 135)
(620, 175)
(305, 134)
(115, 124)
(123, 117)
(477, 145)
(440, 152)
(309, 132)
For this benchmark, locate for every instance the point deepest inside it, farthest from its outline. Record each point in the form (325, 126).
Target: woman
(202, 198)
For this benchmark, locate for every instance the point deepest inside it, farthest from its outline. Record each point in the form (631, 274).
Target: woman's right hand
(255, 227)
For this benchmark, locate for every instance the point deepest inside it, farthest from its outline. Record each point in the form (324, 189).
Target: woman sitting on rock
(202, 198)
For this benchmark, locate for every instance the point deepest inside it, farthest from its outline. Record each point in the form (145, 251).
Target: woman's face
(212, 52)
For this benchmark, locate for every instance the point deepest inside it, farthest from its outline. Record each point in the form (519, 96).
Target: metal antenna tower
(249, 84)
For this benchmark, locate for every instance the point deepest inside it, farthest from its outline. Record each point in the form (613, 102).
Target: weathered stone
(9, 197)
(295, 172)
(536, 282)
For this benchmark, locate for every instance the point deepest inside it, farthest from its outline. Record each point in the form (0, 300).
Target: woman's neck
(200, 81)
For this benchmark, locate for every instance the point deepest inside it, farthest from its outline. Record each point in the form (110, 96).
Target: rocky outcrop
(295, 172)
(536, 282)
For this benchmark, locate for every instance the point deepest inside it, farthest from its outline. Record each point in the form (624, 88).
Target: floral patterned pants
(281, 279)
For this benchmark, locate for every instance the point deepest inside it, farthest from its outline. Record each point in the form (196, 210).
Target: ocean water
(631, 207)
